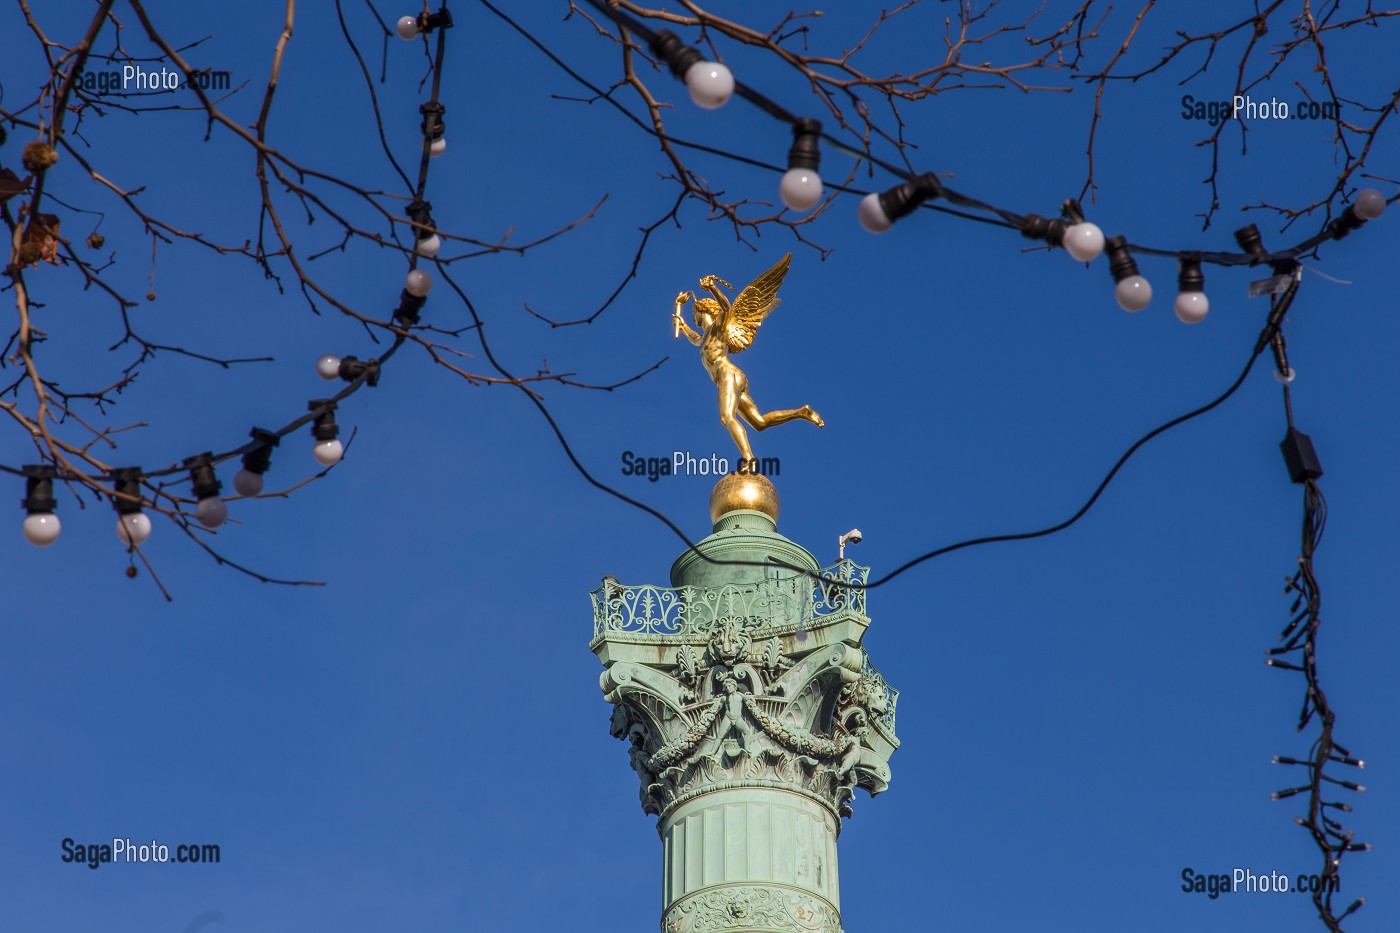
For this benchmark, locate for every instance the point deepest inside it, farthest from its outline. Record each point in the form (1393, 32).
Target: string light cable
(123, 486)
(878, 211)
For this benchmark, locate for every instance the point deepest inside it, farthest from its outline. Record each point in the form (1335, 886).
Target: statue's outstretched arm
(708, 284)
(679, 322)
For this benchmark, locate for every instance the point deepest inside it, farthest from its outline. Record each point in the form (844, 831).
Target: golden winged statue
(727, 328)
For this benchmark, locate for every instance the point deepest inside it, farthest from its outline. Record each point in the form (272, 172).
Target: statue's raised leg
(762, 422)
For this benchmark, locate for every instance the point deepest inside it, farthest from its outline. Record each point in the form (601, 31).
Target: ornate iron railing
(833, 596)
(698, 610)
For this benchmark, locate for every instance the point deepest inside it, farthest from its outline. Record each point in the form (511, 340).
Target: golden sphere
(744, 491)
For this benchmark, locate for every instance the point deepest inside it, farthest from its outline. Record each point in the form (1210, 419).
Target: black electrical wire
(1280, 304)
(1098, 491)
(1005, 217)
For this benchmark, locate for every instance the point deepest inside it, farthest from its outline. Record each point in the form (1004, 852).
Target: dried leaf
(10, 184)
(50, 249)
(40, 242)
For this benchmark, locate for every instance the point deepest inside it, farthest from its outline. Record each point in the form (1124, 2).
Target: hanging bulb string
(182, 466)
(1337, 228)
(198, 468)
(354, 384)
(432, 114)
(1007, 219)
(1001, 217)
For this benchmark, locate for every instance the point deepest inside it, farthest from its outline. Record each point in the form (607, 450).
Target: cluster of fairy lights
(1299, 641)
(42, 526)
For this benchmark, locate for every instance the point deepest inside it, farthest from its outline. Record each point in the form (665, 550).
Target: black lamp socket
(432, 125)
(259, 458)
(204, 483)
(324, 428)
(427, 22)
(1120, 260)
(127, 482)
(806, 145)
(409, 306)
(903, 200)
(38, 489)
(668, 47)
(1252, 243)
(1189, 277)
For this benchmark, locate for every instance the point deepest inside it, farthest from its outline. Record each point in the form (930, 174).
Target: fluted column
(750, 859)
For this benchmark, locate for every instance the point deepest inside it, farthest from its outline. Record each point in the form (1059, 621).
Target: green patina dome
(741, 534)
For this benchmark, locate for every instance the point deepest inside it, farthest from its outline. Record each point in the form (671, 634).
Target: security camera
(851, 537)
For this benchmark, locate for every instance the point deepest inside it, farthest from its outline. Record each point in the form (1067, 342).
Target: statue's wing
(708, 306)
(754, 304)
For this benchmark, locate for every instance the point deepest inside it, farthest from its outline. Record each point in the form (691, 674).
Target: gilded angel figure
(727, 328)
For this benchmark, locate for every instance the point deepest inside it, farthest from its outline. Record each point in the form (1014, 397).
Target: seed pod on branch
(38, 156)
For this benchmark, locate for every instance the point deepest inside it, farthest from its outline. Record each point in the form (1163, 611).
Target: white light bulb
(428, 246)
(1133, 293)
(408, 27)
(1192, 307)
(41, 529)
(711, 84)
(436, 148)
(134, 528)
(801, 188)
(1084, 241)
(247, 483)
(328, 453)
(211, 512)
(418, 283)
(1369, 204)
(872, 214)
(328, 367)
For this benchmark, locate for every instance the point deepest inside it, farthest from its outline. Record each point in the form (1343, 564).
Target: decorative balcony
(778, 602)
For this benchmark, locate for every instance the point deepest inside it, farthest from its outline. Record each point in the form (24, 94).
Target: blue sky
(422, 744)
